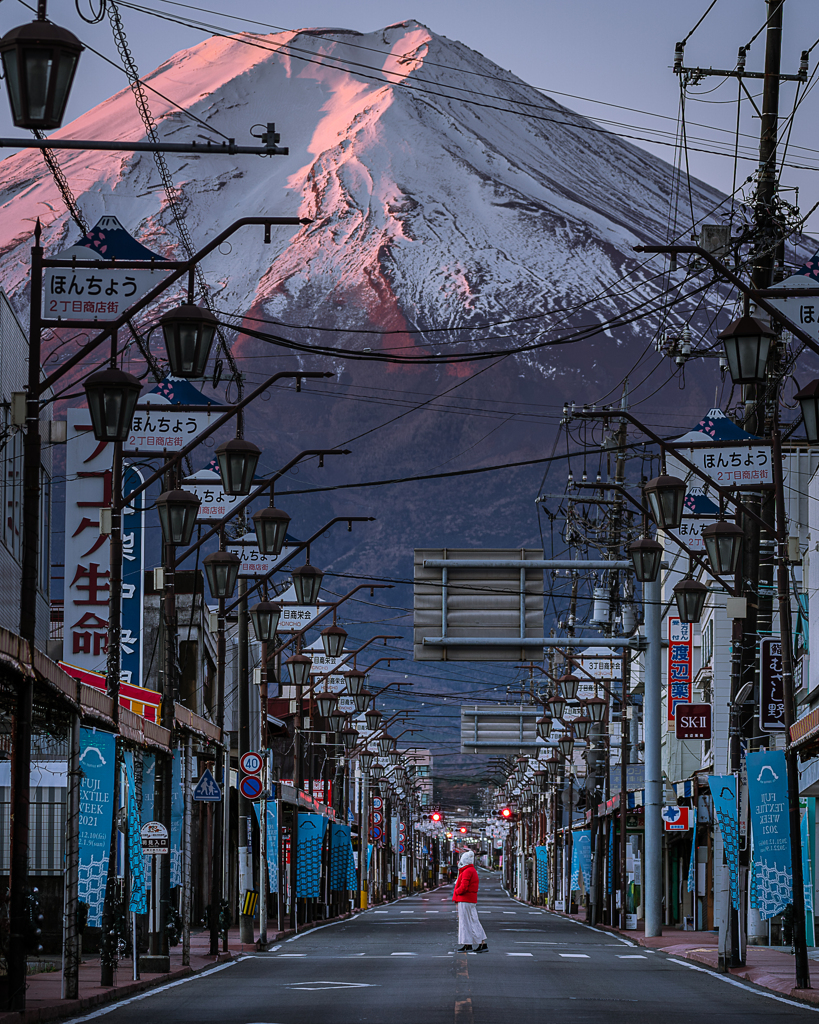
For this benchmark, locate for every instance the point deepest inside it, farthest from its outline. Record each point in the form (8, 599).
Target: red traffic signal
(506, 812)
(463, 829)
(435, 816)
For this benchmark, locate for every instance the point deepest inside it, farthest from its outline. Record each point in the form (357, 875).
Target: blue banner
(692, 864)
(146, 807)
(807, 810)
(133, 522)
(97, 762)
(177, 818)
(610, 872)
(768, 803)
(542, 862)
(272, 838)
(138, 900)
(724, 794)
(308, 854)
(581, 858)
(342, 862)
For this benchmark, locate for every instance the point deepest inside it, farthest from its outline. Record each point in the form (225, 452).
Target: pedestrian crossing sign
(207, 788)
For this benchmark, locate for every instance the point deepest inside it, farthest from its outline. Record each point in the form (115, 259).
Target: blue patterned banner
(177, 818)
(542, 861)
(807, 811)
(768, 801)
(308, 854)
(724, 794)
(272, 846)
(581, 858)
(138, 900)
(342, 862)
(97, 762)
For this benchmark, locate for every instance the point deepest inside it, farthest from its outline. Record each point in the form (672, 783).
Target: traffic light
(436, 817)
(506, 813)
(463, 830)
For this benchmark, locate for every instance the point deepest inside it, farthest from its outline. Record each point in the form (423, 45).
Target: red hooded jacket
(466, 888)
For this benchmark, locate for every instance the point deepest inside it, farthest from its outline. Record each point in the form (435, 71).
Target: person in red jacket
(466, 896)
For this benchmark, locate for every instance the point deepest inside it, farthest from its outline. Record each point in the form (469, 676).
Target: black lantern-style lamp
(332, 640)
(566, 744)
(189, 332)
(690, 596)
(385, 743)
(557, 706)
(377, 771)
(112, 397)
(544, 727)
(723, 542)
(646, 554)
(747, 342)
(307, 583)
(541, 780)
(338, 720)
(177, 515)
(366, 759)
(39, 62)
(666, 498)
(361, 700)
(373, 718)
(552, 766)
(298, 666)
(808, 398)
(237, 460)
(596, 708)
(581, 727)
(270, 525)
(568, 686)
(326, 702)
(349, 737)
(222, 570)
(265, 618)
(355, 681)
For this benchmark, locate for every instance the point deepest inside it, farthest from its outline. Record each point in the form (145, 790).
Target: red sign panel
(680, 663)
(692, 721)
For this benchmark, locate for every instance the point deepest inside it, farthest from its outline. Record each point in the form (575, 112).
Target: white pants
(470, 932)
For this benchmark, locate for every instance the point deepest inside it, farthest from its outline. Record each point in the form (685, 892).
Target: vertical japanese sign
(133, 560)
(770, 825)
(97, 763)
(89, 470)
(771, 698)
(680, 664)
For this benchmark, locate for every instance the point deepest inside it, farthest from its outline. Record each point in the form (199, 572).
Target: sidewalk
(43, 1000)
(770, 967)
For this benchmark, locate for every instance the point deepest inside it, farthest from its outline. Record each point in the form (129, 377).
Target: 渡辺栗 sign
(680, 664)
(771, 698)
(94, 293)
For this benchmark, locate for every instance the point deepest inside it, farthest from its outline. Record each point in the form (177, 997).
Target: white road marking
(748, 988)
(406, 911)
(326, 986)
(631, 956)
(510, 911)
(520, 954)
(575, 956)
(403, 954)
(286, 955)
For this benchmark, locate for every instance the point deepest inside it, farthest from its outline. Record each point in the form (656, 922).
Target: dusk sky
(617, 53)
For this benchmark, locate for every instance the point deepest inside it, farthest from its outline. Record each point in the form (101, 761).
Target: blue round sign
(251, 787)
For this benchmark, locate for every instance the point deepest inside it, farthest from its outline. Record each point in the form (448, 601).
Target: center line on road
(520, 954)
(575, 956)
(463, 991)
(403, 954)
(631, 956)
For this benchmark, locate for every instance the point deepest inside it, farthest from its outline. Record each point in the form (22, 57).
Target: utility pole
(243, 713)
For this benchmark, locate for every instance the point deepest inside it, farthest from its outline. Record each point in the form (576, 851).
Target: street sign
(253, 562)
(154, 838)
(207, 789)
(680, 663)
(251, 787)
(771, 699)
(251, 763)
(675, 818)
(692, 721)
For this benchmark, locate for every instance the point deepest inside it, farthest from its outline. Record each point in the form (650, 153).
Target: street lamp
(581, 727)
(189, 332)
(723, 542)
(566, 744)
(366, 759)
(747, 342)
(666, 497)
(265, 619)
(373, 718)
(361, 700)
(541, 780)
(690, 596)
(237, 460)
(558, 706)
(568, 686)
(596, 708)
(377, 771)
(332, 640)
(112, 397)
(39, 61)
(222, 570)
(307, 583)
(298, 667)
(385, 743)
(544, 727)
(349, 737)
(270, 525)
(808, 398)
(646, 555)
(355, 681)
(177, 515)
(326, 701)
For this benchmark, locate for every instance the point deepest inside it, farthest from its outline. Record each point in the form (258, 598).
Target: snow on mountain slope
(428, 210)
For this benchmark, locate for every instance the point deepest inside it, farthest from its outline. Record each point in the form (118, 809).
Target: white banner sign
(215, 504)
(254, 563)
(726, 466)
(157, 426)
(93, 293)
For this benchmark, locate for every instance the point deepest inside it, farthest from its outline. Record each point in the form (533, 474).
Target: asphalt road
(398, 964)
